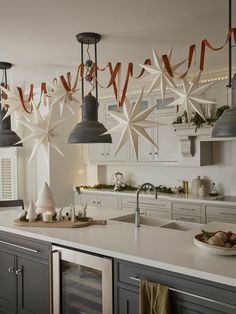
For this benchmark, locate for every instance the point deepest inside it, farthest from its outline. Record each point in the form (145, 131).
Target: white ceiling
(38, 36)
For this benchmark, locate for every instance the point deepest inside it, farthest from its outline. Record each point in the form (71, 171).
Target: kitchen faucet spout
(137, 211)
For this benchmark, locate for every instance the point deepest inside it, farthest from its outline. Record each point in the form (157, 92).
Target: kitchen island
(165, 250)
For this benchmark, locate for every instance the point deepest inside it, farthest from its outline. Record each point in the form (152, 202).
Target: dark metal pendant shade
(8, 137)
(89, 130)
(226, 125)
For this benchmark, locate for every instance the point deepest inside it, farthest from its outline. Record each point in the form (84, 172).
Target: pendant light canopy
(89, 130)
(226, 125)
(8, 137)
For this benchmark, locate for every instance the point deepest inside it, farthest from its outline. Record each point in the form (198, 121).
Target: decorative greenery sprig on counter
(159, 188)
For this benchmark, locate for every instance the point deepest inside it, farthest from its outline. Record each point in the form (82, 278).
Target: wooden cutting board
(60, 224)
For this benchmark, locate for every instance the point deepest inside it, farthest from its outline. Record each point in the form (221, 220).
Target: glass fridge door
(81, 282)
(81, 289)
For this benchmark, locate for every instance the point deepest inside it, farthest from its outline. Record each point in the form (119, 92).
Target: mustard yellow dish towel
(153, 298)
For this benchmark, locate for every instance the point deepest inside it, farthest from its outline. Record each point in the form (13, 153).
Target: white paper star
(161, 77)
(42, 130)
(14, 102)
(190, 98)
(63, 98)
(132, 124)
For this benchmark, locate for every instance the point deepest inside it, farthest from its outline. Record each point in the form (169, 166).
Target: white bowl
(213, 249)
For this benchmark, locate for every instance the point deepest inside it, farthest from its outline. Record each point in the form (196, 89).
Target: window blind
(8, 173)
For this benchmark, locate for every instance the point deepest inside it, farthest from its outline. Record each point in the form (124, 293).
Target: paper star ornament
(190, 97)
(13, 101)
(61, 97)
(43, 132)
(161, 77)
(132, 124)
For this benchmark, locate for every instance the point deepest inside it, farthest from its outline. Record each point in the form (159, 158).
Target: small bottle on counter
(185, 186)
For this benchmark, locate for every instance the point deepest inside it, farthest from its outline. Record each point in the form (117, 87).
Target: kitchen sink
(148, 221)
(159, 222)
(181, 225)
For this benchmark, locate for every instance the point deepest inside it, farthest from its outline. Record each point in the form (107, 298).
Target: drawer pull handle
(20, 247)
(11, 269)
(231, 306)
(181, 208)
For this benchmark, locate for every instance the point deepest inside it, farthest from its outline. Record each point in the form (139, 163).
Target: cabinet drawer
(189, 209)
(186, 218)
(146, 203)
(89, 199)
(229, 212)
(25, 245)
(158, 213)
(221, 219)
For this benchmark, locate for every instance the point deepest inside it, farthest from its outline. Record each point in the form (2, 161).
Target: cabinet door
(96, 152)
(168, 146)
(33, 286)
(146, 150)
(7, 283)
(111, 148)
(128, 302)
(110, 202)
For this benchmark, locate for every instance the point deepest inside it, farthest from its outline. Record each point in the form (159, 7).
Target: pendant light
(226, 125)
(89, 130)
(8, 137)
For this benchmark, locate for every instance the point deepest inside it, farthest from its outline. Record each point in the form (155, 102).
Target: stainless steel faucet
(137, 211)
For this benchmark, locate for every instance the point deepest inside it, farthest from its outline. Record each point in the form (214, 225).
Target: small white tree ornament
(45, 201)
(31, 213)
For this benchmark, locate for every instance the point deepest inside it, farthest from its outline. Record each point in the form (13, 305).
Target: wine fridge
(81, 282)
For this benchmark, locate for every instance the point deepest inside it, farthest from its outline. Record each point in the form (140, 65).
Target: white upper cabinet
(170, 147)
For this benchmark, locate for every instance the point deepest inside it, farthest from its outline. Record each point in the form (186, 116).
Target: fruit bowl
(200, 241)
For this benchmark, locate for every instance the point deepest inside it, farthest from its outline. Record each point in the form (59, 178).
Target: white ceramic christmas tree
(31, 213)
(45, 200)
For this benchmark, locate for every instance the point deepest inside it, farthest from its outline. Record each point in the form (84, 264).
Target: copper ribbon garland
(114, 72)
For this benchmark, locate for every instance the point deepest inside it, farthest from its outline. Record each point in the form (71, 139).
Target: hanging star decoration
(132, 124)
(63, 98)
(161, 77)
(190, 97)
(42, 130)
(13, 101)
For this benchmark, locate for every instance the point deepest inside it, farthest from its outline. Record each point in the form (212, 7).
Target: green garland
(159, 188)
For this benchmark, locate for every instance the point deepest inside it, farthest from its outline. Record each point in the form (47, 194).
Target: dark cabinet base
(194, 296)
(24, 275)
(128, 301)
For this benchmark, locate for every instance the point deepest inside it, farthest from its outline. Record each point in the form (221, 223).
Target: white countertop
(214, 200)
(167, 249)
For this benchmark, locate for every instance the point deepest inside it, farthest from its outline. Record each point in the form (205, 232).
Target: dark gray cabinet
(128, 301)
(24, 275)
(189, 295)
